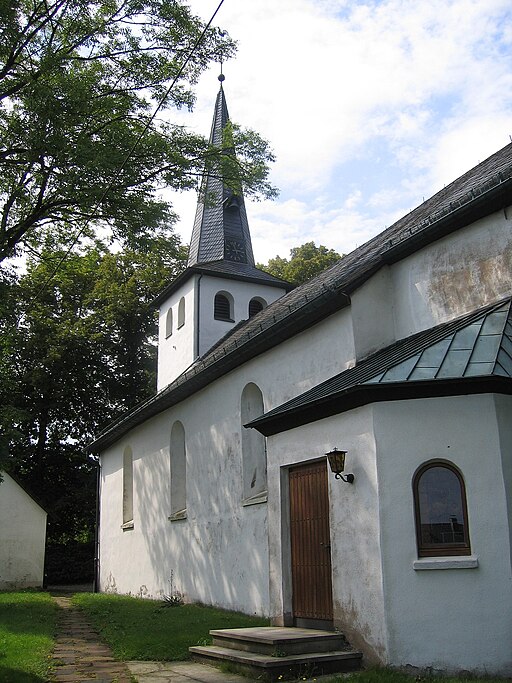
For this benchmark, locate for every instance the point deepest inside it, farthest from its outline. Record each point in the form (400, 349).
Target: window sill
(176, 516)
(467, 562)
(127, 526)
(256, 499)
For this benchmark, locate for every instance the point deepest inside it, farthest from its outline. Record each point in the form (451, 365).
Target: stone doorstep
(273, 667)
(270, 640)
(280, 651)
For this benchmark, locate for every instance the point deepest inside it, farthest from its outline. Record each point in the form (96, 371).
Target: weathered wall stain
(463, 281)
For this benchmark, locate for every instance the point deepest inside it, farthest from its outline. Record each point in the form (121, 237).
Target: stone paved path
(79, 654)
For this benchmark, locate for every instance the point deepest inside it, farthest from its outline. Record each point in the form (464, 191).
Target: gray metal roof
(477, 345)
(221, 229)
(479, 192)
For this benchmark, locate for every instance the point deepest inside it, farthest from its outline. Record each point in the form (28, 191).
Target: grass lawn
(144, 629)
(389, 676)
(27, 629)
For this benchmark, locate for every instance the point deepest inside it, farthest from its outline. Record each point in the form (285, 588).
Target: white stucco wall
(504, 412)
(373, 316)
(22, 537)
(358, 602)
(219, 553)
(453, 276)
(176, 352)
(445, 618)
(211, 330)
(179, 350)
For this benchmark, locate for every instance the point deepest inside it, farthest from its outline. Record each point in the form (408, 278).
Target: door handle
(326, 545)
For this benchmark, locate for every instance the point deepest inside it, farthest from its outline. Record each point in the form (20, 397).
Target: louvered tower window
(255, 306)
(222, 308)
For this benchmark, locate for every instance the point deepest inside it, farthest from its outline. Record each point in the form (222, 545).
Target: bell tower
(221, 285)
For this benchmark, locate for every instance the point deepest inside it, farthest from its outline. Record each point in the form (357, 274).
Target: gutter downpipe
(197, 303)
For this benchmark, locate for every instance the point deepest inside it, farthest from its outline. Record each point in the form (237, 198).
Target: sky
(370, 108)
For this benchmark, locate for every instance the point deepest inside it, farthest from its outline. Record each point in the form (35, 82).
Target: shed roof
(470, 354)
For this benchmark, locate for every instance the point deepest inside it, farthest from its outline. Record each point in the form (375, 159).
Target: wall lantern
(336, 460)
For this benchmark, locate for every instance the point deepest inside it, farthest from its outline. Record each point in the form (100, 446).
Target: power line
(130, 152)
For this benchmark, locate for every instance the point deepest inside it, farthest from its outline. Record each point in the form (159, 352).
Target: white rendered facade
(399, 608)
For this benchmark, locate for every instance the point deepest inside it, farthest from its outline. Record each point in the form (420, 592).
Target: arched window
(178, 466)
(168, 323)
(440, 508)
(181, 312)
(127, 488)
(256, 305)
(223, 307)
(254, 452)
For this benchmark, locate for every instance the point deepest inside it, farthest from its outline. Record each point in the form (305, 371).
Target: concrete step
(276, 641)
(288, 666)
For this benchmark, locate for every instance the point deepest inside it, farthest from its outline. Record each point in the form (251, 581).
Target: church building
(338, 455)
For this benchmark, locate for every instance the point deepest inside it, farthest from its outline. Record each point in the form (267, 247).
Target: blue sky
(370, 107)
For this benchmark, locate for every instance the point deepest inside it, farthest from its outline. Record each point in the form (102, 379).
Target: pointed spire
(221, 230)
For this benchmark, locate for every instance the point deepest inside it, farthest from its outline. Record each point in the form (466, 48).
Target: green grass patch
(27, 630)
(147, 630)
(390, 676)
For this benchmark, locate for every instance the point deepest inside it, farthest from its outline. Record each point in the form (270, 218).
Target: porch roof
(471, 354)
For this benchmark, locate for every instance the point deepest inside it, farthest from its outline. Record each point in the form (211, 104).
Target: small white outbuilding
(22, 537)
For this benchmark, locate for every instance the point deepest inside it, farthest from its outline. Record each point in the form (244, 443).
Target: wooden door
(310, 543)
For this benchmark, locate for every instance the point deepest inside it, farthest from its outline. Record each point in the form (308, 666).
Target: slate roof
(225, 269)
(445, 360)
(479, 192)
(221, 229)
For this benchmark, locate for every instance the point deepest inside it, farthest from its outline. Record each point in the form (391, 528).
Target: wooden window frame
(441, 549)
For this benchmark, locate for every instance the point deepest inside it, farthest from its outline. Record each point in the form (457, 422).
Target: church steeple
(221, 230)
(221, 286)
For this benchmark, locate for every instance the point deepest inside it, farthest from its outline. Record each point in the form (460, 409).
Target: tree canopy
(80, 150)
(304, 263)
(73, 358)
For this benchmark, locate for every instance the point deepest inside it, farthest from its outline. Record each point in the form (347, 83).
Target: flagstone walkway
(79, 655)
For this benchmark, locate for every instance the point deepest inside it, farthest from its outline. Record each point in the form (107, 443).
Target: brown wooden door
(310, 542)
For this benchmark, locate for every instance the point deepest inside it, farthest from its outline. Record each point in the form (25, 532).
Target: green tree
(79, 82)
(304, 263)
(82, 351)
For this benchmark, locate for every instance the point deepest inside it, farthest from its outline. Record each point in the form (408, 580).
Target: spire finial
(221, 76)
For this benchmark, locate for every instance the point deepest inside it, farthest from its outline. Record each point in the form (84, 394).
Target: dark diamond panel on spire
(221, 230)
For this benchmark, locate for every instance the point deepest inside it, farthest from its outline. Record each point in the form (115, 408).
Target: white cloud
(332, 83)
